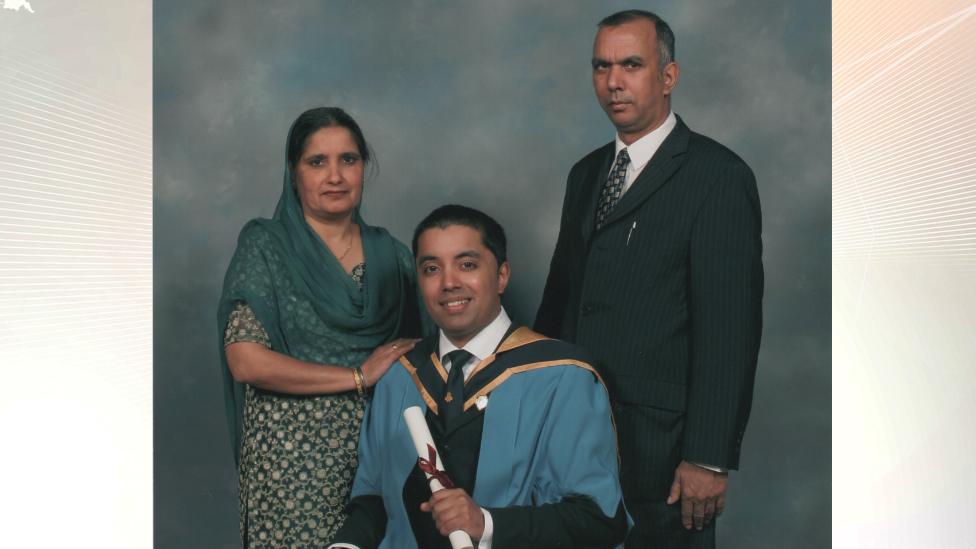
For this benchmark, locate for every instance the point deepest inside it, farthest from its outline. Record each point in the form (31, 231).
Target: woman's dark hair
(492, 234)
(314, 120)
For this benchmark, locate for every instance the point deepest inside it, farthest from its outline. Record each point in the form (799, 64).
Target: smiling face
(460, 280)
(632, 90)
(329, 174)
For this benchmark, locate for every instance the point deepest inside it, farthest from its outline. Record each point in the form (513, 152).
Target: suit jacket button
(586, 309)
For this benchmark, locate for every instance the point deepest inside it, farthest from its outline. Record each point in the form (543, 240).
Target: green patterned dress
(298, 453)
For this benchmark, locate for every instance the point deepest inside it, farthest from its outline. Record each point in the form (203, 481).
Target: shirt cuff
(342, 546)
(709, 467)
(485, 541)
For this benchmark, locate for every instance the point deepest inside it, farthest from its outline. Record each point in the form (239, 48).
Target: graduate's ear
(503, 273)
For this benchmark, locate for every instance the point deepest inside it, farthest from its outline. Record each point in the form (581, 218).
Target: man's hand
(702, 494)
(455, 510)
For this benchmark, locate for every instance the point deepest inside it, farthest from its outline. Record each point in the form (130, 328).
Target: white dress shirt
(480, 346)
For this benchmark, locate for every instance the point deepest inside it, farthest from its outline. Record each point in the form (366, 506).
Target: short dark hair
(665, 36)
(492, 234)
(314, 120)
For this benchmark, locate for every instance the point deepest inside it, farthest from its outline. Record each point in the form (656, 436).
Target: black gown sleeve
(575, 521)
(365, 524)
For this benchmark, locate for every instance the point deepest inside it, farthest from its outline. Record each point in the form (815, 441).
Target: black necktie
(611, 191)
(453, 399)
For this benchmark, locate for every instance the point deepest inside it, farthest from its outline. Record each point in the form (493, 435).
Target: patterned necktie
(453, 399)
(611, 191)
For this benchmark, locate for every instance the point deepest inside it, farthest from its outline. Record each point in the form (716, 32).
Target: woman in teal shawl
(312, 303)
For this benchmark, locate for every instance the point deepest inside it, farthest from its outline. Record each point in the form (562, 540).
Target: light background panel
(904, 250)
(76, 274)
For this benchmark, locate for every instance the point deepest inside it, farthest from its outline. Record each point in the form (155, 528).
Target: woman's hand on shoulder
(383, 357)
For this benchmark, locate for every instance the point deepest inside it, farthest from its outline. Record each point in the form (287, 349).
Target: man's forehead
(632, 37)
(448, 242)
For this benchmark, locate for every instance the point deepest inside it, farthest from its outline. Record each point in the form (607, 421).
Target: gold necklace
(349, 247)
(345, 253)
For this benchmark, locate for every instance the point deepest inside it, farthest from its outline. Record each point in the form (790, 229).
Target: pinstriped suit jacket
(667, 296)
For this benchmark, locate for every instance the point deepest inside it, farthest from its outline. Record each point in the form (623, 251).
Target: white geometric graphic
(15, 5)
(904, 273)
(76, 273)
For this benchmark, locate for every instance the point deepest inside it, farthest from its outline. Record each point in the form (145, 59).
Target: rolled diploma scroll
(414, 417)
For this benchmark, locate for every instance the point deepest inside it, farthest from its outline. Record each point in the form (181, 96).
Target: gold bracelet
(357, 377)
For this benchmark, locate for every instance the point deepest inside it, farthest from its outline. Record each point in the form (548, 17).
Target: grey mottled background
(486, 104)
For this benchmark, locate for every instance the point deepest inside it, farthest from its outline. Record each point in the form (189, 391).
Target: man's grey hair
(665, 37)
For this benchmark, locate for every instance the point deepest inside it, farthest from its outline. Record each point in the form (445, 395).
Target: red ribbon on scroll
(429, 466)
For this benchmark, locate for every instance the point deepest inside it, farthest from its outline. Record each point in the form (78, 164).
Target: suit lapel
(592, 185)
(665, 162)
(427, 374)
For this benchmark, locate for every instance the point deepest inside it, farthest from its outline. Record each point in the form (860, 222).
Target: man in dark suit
(658, 273)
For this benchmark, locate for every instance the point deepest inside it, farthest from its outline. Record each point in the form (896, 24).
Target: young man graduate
(522, 421)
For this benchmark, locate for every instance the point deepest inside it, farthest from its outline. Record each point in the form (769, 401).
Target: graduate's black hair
(492, 234)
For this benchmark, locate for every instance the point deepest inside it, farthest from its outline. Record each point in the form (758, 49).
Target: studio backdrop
(486, 104)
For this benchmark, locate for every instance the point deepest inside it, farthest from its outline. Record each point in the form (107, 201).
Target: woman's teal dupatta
(280, 262)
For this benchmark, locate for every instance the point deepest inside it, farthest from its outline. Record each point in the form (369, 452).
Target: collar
(643, 149)
(483, 343)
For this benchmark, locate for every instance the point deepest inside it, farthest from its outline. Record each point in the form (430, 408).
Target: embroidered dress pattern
(299, 453)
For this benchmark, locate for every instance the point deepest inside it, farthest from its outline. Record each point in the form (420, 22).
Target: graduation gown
(545, 465)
